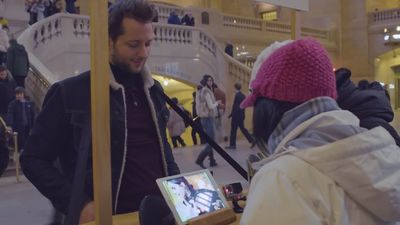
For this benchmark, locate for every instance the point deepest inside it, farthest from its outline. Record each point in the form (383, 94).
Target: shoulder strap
(78, 196)
(208, 139)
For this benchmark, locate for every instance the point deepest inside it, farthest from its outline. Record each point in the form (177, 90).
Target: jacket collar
(146, 75)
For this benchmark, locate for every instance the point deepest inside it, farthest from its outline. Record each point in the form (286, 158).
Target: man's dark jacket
(7, 94)
(371, 106)
(17, 59)
(237, 113)
(57, 134)
(15, 112)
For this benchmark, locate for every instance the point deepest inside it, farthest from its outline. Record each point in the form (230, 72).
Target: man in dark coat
(140, 153)
(7, 87)
(17, 62)
(371, 106)
(237, 115)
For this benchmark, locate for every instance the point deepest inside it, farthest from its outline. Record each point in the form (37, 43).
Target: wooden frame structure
(100, 111)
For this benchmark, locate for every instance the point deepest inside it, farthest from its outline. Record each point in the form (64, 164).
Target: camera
(233, 192)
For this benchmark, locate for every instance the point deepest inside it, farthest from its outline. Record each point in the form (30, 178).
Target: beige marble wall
(354, 38)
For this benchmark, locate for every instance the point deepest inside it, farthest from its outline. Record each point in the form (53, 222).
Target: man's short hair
(238, 86)
(140, 10)
(19, 90)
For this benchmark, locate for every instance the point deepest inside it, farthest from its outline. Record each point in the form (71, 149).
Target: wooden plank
(100, 76)
(219, 217)
(295, 29)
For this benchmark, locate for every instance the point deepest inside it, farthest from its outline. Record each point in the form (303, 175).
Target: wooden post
(295, 25)
(99, 85)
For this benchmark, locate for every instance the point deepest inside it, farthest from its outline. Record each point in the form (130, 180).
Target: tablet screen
(192, 194)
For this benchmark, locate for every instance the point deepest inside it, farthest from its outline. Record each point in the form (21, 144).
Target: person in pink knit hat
(322, 167)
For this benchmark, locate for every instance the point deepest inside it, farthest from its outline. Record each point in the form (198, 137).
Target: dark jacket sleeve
(47, 142)
(10, 59)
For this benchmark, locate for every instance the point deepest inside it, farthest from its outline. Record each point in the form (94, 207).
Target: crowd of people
(16, 110)
(40, 9)
(187, 19)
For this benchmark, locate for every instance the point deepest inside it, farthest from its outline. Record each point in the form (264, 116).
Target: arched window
(205, 18)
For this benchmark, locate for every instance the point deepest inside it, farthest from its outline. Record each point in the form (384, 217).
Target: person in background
(219, 127)
(207, 110)
(155, 20)
(196, 120)
(139, 149)
(7, 88)
(17, 62)
(174, 19)
(369, 104)
(229, 49)
(237, 119)
(31, 8)
(20, 116)
(3, 45)
(41, 8)
(188, 20)
(323, 167)
(70, 6)
(176, 126)
(3, 22)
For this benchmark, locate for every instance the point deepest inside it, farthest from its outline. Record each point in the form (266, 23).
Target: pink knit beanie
(296, 72)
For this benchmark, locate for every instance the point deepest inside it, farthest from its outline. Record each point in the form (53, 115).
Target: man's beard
(123, 65)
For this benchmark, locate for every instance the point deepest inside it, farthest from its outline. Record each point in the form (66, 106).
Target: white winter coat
(206, 105)
(354, 180)
(175, 124)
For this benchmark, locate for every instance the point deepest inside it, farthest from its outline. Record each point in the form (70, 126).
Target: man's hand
(87, 213)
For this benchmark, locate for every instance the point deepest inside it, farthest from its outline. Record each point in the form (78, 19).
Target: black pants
(194, 132)
(176, 139)
(235, 123)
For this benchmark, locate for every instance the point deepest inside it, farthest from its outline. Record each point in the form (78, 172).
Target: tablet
(190, 195)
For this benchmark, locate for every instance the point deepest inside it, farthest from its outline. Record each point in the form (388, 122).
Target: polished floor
(22, 204)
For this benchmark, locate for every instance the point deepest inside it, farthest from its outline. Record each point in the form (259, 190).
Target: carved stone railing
(242, 22)
(239, 72)
(173, 34)
(230, 23)
(36, 86)
(384, 16)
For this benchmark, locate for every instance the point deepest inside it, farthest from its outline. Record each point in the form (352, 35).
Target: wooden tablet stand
(220, 217)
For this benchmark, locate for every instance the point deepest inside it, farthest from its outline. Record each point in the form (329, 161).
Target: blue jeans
(208, 127)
